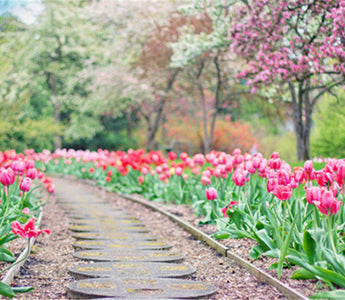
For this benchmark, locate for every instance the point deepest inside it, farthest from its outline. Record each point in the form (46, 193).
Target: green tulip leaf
(336, 294)
(256, 252)
(284, 249)
(22, 289)
(303, 274)
(309, 246)
(6, 290)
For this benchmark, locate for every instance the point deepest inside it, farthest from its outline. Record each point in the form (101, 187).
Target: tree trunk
(217, 100)
(153, 129)
(302, 117)
(57, 140)
(206, 140)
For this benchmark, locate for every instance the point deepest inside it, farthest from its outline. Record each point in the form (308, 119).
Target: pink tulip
(199, 159)
(308, 166)
(313, 194)
(178, 171)
(272, 183)
(211, 193)
(25, 184)
(159, 169)
(240, 177)
(140, 180)
(283, 192)
(283, 177)
(7, 176)
(18, 167)
(328, 204)
(26, 211)
(183, 156)
(31, 173)
(205, 180)
(274, 163)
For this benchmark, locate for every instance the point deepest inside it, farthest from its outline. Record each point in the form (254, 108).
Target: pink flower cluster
(21, 166)
(283, 40)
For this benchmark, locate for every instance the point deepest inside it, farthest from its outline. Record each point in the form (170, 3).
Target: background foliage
(116, 75)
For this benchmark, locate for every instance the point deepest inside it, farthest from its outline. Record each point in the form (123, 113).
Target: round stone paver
(113, 244)
(109, 228)
(140, 288)
(115, 236)
(129, 255)
(130, 269)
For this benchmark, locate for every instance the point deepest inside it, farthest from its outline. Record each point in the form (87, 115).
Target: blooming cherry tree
(296, 44)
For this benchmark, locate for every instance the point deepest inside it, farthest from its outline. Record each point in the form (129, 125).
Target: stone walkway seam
(118, 254)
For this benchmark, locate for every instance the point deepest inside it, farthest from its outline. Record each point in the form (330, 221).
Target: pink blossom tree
(297, 45)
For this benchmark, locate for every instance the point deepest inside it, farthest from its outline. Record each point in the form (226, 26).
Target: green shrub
(328, 137)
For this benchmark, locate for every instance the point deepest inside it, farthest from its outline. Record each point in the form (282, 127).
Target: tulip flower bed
(19, 203)
(295, 214)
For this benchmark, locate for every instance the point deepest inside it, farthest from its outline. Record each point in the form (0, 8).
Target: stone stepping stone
(130, 269)
(82, 216)
(108, 228)
(121, 245)
(129, 255)
(140, 288)
(109, 221)
(115, 236)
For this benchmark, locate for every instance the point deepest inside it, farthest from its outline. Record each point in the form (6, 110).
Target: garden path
(119, 255)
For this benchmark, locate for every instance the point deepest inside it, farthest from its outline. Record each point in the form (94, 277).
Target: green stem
(6, 200)
(214, 208)
(330, 235)
(283, 221)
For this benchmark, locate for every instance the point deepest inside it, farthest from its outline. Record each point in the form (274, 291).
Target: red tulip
(28, 230)
(172, 155)
(50, 188)
(299, 174)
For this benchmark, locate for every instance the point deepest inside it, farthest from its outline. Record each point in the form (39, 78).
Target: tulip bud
(25, 184)
(211, 193)
(7, 176)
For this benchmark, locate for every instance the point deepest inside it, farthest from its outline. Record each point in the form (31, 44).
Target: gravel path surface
(46, 268)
